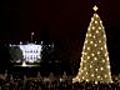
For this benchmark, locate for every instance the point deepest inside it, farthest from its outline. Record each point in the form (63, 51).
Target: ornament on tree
(95, 65)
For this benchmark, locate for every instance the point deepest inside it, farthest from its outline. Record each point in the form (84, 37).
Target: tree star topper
(95, 8)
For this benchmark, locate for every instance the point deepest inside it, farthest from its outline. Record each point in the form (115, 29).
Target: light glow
(31, 52)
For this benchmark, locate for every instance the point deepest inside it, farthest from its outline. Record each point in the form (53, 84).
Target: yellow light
(100, 41)
(101, 78)
(98, 77)
(97, 31)
(93, 28)
(92, 19)
(91, 66)
(104, 36)
(92, 75)
(86, 73)
(88, 48)
(83, 77)
(105, 47)
(86, 41)
(93, 54)
(85, 68)
(103, 61)
(108, 66)
(96, 22)
(106, 54)
(101, 68)
(110, 73)
(81, 64)
(87, 80)
(98, 52)
(91, 42)
(105, 76)
(100, 22)
(96, 15)
(95, 45)
(84, 61)
(107, 58)
(84, 47)
(85, 53)
(99, 28)
(88, 57)
(101, 48)
(94, 36)
(86, 35)
(96, 69)
(89, 29)
(95, 58)
(90, 35)
(96, 82)
(95, 8)
(81, 71)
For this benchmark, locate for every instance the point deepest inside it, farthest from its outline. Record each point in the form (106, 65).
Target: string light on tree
(93, 54)
(99, 28)
(91, 42)
(101, 68)
(96, 22)
(98, 52)
(93, 28)
(92, 75)
(94, 36)
(95, 64)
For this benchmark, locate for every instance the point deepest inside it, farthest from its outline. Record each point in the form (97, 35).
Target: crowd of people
(10, 82)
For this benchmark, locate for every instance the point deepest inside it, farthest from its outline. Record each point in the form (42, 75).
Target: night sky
(64, 22)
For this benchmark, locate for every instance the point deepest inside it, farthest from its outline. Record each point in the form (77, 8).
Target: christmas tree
(95, 65)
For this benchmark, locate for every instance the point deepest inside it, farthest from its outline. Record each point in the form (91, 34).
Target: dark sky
(63, 21)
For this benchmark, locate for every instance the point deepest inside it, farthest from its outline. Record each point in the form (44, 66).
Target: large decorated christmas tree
(95, 64)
